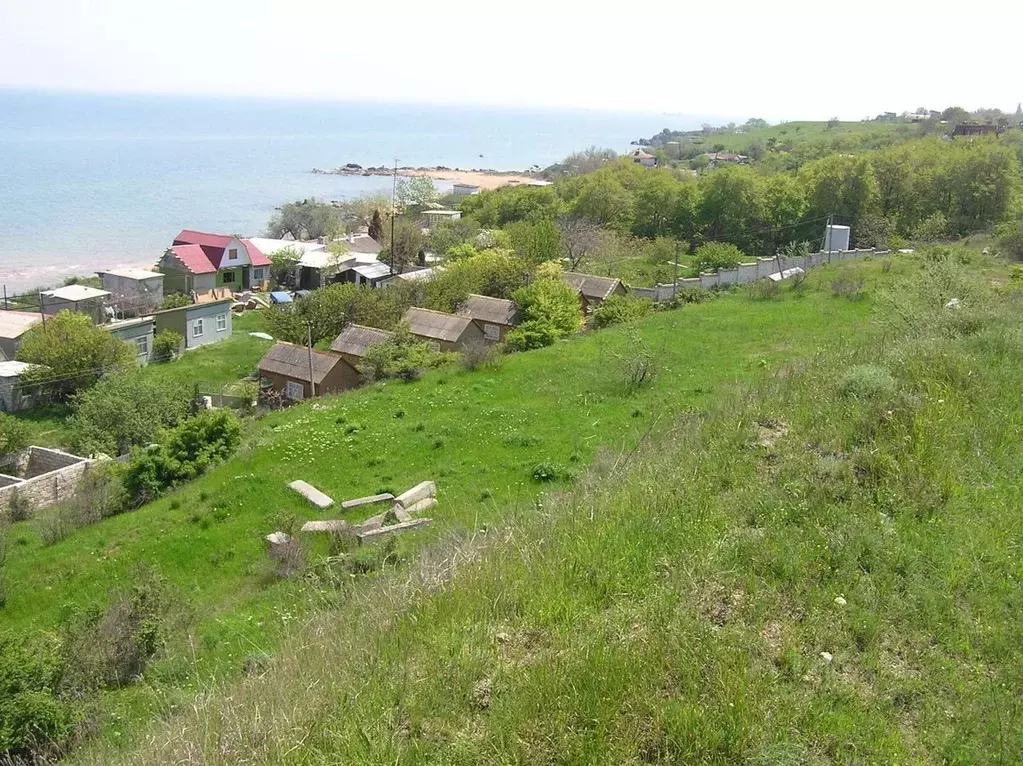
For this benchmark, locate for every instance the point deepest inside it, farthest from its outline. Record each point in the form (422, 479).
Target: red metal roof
(255, 255)
(190, 237)
(194, 259)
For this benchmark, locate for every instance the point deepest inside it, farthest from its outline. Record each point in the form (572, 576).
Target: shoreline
(484, 178)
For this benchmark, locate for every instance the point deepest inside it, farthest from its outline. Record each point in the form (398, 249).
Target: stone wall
(52, 476)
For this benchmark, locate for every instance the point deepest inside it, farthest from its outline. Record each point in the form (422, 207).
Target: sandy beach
(485, 179)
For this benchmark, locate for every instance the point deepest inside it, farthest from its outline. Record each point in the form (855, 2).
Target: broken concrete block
(277, 538)
(421, 491)
(313, 495)
(359, 502)
(421, 506)
(333, 526)
(372, 534)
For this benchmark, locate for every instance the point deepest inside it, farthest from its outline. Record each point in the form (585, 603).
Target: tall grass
(821, 567)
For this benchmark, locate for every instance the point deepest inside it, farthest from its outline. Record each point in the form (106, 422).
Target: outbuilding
(12, 398)
(201, 324)
(133, 292)
(79, 298)
(593, 290)
(444, 332)
(494, 316)
(139, 331)
(356, 340)
(14, 325)
(301, 373)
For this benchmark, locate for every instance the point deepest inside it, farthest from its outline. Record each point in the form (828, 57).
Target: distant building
(133, 292)
(444, 332)
(199, 263)
(645, 159)
(78, 298)
(200, 324)
(139, 331)
(433, 217)
(295, 370)
(494, 316)
(374, 274)
(719, 157)
(977, 129)
(13, 325)
(465, 190)
(593, 290)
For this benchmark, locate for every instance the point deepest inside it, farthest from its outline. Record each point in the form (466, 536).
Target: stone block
(333, 526)
(421, 506)
(313, 495)
(419, 492)
(373, 534)
(359, 502)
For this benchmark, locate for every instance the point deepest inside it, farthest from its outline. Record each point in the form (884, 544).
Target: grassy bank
(816, 564)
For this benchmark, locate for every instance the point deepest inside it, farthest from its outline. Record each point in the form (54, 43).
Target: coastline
(484, 178)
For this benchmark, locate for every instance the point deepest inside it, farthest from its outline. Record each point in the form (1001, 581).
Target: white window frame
(294, 390)
(142, 345)
(198, 327)
(221, 322)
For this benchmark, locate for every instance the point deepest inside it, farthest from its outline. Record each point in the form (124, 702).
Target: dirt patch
(770, 432)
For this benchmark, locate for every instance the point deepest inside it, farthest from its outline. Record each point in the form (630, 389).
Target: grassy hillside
(817, 564)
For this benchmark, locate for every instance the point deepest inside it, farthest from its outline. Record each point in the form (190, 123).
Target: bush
(547, 310)
(714, 256)
(478, 355)
(547, 470)
(14, 435)
(99, 495)
(618, 309)
(175, 301)
(934, 228)
(637, 365)
(763, 290)
(1010, 241)
(167, 345)
(401, 356)
(532, 335)
(187, 452)
(866, 382)
(847, 286)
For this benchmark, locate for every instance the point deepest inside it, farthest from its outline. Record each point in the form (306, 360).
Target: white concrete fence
(746, 273)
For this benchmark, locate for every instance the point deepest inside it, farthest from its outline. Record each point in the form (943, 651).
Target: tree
(324, 313)
(72, 353)
(415, 192)
(376, 227)
(833, 123)
(403, 250)
(955, 114)
(547, 310)
(401, 356)
(282, 265)
(166, 345)
(756, 123)
(581, 239)
(714, 256)
(603, 199)
(306, 219)
(175, 301)
(542, 242)
(125, 410)
(655, 201)
(581, 163)
(14, 435)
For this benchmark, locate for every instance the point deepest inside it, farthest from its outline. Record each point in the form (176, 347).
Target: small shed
(375, 274)
(433, 217)
(11, 396)
(494, 316)
(287, 368)
(134, 292)
(80, 298)
(355, 340)
(13, 325)
(593, 290)
(139, 332)
(200, 324)
(445, 332)
(465, 190)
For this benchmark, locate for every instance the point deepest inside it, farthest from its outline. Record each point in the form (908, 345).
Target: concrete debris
(313, 495)
(278, 538)
(419, 492)
(261, 335)
(827, 657)
(955, 303)
(333, 526)
(840, 601)
(421, 506)
(368, 500)
(778, 276)
(373, 534)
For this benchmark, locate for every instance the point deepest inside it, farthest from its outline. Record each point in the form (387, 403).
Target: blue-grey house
(201, 324)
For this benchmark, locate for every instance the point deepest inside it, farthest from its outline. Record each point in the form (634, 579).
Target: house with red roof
(201, 264)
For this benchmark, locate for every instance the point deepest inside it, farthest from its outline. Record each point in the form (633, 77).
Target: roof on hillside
(193, 259)
(14, 369)
(640, 154)
(267, 245)
(356, 340)
(590, 286)
(130, 273)
(14, 324)
(486, 309)
(436, 324)
(202, 238)
(375, 270)
(76, 293)
(293, 362)
(362, 243)
(123, 324)
(256, 256)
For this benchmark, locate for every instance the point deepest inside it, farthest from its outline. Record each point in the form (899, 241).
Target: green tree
(414, 193)
(175, 301)
(324, 313)
(602, 198)
(72, 353)
(401, 356)
(714, 256)
(402, 251)
(14, 435)
(732, 206)
(656, 204)
(166, 345)
(306, 219)
(282, 265)
(547, 310)
(840, 185)
(542, 242)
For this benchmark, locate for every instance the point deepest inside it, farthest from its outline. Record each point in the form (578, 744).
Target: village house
(465, 190)
(444, 332)
(644, 158)
(12, 398)
(199, 263)
(593, 290)
(138, 331)
(133, 292)
(286, 369)
(356, 340)
(79, 298)
(13, 325)
(375, 274)
(200, 324)
(718, 157)
(977, 129)
(433, 217)
(494, 316)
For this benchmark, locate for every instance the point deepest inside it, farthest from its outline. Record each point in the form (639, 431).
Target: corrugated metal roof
(375, 270)
(590, 286)
(485, 309)
(14, 324)
(193, 259)
(435, 324)
(356, 340)
(293, 362)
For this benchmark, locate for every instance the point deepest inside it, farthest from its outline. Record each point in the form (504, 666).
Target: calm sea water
(91, 181)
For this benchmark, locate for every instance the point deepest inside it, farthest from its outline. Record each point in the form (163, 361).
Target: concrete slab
(359, 502)
(421, 491)
(373, 534)
(421, 506)
(313, 495)
(333, 526)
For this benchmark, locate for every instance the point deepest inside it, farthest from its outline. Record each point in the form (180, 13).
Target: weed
(479, 355)
(547, 470)
(763, 290)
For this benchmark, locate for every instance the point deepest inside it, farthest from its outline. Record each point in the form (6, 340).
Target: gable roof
(597, 288)
(193, 259)
(436, 324)
(356, 340)
(375, 270)
(362, 243)
(293, 362)
(256, 256)
(14, 324)
(213, 246)
(486, 309)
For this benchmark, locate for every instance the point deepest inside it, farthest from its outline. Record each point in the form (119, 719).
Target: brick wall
(46, 488)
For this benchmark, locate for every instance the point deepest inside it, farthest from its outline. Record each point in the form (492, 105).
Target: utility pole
(42, 314)
(674, 283)
(394, 191)
(826, 241)
(309, 346)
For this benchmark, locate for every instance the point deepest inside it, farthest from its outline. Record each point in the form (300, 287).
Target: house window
(142, 345)
(294, 390)
(228, 277)
(257, 275)
(492, 332)
(197, 328)
(232, 254)
(221, 322)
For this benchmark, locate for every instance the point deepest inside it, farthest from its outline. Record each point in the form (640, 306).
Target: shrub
(763, 290)
(478, 355)
(714, 256)
(867, 381)
(401, 356)
(547, 470)
(847, 286)
(637, 364)
(14, 435)
(18, 506)
(934, 228)
(618, 309)
(1010, 240)
(175, 301)
(99, 495)
(548, 310)
(167, 345)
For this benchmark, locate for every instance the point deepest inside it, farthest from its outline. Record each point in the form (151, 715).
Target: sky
(787, 59)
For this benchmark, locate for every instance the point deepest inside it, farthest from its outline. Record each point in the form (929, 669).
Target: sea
(90, 181)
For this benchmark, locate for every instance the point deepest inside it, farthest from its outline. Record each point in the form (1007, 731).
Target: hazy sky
(785, 59)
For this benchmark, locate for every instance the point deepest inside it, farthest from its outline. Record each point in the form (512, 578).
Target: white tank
(836, 238)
